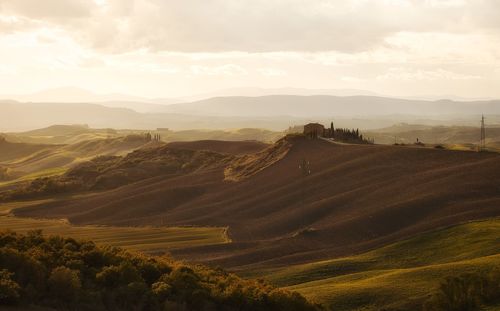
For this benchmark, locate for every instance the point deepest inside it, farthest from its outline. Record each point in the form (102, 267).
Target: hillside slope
(11, 151)
(399, 276)
(408, 134)
(355, 198)
(233, 147)
(27, 161)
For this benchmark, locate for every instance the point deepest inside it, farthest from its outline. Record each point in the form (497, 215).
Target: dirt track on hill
(357, 197)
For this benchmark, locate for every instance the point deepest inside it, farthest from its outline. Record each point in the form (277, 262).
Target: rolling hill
(20, 161)
(408, 133)
(61, 134)
(234, 148)
(399, 276)
(11, 151)
(74, 133)
(356, 198)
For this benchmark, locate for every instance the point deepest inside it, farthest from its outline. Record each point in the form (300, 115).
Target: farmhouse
(314, 130)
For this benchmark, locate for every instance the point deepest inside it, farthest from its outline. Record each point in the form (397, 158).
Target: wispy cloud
(226, 70)
(170, 47)
(430, 75)
(271, 72)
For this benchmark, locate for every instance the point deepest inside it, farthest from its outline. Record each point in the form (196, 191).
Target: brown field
(356, 198)
(229, 147)
(144, 239)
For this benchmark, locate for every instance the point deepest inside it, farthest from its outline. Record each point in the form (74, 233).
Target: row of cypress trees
(346, 135)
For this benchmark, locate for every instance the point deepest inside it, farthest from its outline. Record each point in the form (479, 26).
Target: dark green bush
(9, 289)
(63, 273)
(467, 292)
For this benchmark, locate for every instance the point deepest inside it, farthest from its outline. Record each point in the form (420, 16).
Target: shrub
(161, 290)
(9, 289)
(69, 274)
(64, 284)
(466, 292)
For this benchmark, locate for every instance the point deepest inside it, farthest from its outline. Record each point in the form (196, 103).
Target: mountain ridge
(321, 105)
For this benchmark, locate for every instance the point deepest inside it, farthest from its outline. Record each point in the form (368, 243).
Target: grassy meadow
(398, 276)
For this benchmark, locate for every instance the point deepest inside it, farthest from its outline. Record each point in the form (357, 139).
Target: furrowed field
(145, 239)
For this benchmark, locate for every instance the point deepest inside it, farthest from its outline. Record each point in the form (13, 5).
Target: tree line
(346, 135)
(468, 291)
(154, 137)
(67, 274)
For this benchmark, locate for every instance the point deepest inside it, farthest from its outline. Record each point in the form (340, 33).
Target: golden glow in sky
(167, 48)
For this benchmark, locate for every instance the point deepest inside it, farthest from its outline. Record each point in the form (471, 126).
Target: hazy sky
(169, 48)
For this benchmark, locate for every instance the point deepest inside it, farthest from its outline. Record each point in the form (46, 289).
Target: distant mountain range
(70, 94)
(275, 112)
(17, 116)
(79, 95)
(326, 105)
(257, 91)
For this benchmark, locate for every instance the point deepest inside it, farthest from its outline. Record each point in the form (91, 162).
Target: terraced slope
(144, 239)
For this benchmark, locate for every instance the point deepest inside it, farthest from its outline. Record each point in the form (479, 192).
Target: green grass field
(400, 275)
(144, 239)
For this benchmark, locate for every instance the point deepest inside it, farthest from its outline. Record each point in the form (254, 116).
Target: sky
(171, 48)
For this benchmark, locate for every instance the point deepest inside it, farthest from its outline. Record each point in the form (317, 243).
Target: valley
(341, 207)
(350, 233)
(333, 155)
(358, 231)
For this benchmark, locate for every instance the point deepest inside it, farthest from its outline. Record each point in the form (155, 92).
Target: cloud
(445, 3)
(224, 70)
(271, 72)
(166, 47)
(403, 74)
(257, 26)
(7, 70)
(12, 23)
(48, 9)
(350, 79)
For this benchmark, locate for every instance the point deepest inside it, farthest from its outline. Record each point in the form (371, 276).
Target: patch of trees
(154, 137)
(470, 291)
(347, 135)
(66, 274)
